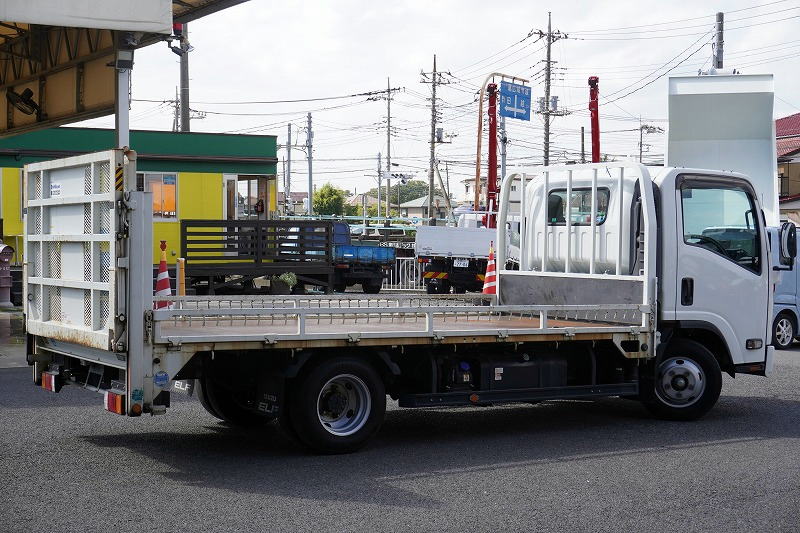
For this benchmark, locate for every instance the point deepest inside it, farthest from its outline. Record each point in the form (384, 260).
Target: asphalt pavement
(67, 465)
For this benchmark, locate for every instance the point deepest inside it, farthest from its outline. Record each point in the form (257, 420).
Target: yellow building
(192, 176)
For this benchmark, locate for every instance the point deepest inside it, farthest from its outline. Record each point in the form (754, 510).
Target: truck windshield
(721, 218)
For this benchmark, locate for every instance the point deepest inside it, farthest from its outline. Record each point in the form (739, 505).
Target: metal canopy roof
(188, 10)
(57, 74)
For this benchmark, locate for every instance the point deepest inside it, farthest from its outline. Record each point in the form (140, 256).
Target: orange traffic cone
(163, 287)
(490, 280)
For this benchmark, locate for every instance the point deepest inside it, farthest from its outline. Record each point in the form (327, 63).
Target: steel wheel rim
(343, 405)
(680, 382)
(783, 332)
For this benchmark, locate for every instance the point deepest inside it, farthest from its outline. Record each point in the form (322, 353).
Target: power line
(677, 21)
(319, 99)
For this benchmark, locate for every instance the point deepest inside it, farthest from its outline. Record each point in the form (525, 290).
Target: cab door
(722, 268)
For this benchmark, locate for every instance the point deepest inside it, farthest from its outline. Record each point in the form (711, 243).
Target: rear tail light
(114, 401)
(423, 260)
(52, 381)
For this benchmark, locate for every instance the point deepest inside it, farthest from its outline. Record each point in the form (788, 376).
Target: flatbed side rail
(177, 326)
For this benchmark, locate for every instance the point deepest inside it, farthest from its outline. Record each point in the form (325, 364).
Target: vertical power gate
(71, 248)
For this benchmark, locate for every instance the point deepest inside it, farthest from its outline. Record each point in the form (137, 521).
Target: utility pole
(447, 173)
(718, 41)
(388, 146)
(185, 80)
(435, 79)
(176, 118)
(548, 110)
(287, 185)
(309, 143)
(380, 172)
(583, 147)
(646, 128)
(433, 140)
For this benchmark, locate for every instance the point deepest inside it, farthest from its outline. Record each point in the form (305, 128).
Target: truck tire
(339, 287)
(338, 405)
(686, 383)
(372, 287)
(202, 395)
(225, 406)
(783, 331)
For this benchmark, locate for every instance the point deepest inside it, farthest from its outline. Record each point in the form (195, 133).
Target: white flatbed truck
(623, 297)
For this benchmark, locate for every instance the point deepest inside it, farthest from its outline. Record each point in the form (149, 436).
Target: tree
(329, 200)
(410, 191)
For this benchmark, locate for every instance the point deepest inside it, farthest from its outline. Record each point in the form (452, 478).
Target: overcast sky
(264, 50)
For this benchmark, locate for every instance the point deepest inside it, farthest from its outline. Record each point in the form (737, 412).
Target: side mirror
(788, 243)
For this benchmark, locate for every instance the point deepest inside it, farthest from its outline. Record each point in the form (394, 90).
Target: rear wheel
(202, 395)
(338, 405)
(339, 287)
(229, 407)
(687, 382)
(372, 287)
(783, 331)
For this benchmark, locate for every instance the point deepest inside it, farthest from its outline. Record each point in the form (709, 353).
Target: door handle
(687, 291)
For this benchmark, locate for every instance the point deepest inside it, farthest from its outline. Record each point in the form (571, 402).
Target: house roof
(788, 146)
(296, 197)
(788, 126)
(422, 201)
(357, 200)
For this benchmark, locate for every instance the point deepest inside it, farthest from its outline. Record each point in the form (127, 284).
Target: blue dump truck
(228, 256)
(359, 264)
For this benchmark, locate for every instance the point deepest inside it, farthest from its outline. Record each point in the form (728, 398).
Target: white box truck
(648, 286)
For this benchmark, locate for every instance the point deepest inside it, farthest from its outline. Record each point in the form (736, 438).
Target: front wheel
(783, 332)
(338, 406)
(686, 384)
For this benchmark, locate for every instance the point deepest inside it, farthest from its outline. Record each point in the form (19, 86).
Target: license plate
(461, 263)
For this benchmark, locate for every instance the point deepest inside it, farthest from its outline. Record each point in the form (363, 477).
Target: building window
(784, 182)
(164, 189)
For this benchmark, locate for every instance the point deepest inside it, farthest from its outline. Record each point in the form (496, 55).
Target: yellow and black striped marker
(434, 275)
(118, 178)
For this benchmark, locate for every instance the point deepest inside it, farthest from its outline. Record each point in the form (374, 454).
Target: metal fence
(406, 275)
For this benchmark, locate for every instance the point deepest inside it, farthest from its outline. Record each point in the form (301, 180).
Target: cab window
(580, 207)
(723, 220)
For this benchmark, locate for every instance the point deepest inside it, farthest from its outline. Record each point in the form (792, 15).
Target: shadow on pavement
(417, 444)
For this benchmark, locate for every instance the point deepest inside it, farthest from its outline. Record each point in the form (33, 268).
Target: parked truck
(453, 257)
(786, 311)
(224, 256)
(637, 300)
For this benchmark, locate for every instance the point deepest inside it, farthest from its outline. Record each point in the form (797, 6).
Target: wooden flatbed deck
(396, 320)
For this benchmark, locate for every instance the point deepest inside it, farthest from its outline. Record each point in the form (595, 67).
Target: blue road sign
(515, 101)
